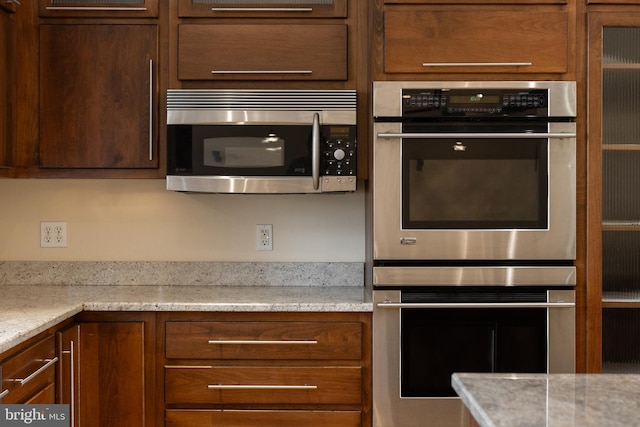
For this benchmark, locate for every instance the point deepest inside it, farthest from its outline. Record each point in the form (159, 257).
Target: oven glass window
(435, 343)
(475, 183)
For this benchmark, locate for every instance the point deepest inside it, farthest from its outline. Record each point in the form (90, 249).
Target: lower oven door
(422, 336)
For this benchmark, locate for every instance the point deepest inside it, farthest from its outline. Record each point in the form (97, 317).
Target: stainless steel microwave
(261, 141)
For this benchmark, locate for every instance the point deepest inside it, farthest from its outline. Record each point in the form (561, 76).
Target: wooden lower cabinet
(267, 369)
(28, 376)
(106, 372)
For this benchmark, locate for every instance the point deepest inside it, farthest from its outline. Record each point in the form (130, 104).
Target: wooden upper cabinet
(7, 82)
(99, 8)
(262, 52)
(263, 8)
(98, 96)
(428, 40)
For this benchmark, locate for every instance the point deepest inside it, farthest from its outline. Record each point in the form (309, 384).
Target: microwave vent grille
(261, 99)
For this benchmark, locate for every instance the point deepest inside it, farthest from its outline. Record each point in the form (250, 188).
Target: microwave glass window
(241, 150)
(475, 184)
(244, 152)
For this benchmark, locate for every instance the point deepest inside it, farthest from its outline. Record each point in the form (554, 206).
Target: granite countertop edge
(27, 310)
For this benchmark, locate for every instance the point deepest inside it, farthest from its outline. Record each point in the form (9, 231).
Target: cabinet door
(262, 52)
(99, 8)
(68, 370)
(98, 96)
(424, 40)
(111, 380)
(6, 87)
(613, 255)
(263, 8)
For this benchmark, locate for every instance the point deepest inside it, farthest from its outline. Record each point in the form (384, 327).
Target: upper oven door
(470, 195)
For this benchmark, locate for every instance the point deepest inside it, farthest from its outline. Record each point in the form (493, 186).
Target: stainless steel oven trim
(390, 240)
(389, 409)
(474, 276)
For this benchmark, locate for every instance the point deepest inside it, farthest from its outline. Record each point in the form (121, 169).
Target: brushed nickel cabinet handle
(261, 72)
(151, 109)
(263, 342)
(23, 381)
(477, 64)
(4, 393)
(262, 9)
(260, 387)
(139, 9)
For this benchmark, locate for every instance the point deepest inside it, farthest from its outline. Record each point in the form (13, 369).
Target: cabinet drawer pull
(261, 72)
(137, 9)
(260, 387)
(18, 3)
(151, 109)
(477, 64)
(4, 393)
(188, 366)
(268, 342)
(49, 362)
(262, 9)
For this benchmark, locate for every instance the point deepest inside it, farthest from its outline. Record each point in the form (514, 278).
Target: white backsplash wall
(138, 220)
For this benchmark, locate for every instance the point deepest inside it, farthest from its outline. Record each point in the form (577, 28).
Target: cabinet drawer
(455, 41)
(199, 418)
(264, 340)
(263, 8)
(99, 8)
(29, 372)
(263, 384)
(262, 52)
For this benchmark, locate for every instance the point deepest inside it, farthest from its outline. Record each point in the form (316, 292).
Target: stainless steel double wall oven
(473, 205)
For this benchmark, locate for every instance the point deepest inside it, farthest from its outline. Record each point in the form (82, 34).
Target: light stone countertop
(26, 310)
(554, 400)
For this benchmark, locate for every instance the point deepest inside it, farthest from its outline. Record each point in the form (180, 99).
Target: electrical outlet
(264, 237)
(53, 234)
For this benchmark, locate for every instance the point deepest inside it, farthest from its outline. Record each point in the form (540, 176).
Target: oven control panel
(338, 151)
(474, 102)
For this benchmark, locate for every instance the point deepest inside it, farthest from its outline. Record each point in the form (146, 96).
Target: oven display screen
(478, 98)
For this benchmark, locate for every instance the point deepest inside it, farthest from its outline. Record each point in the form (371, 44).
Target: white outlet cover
(53, 234)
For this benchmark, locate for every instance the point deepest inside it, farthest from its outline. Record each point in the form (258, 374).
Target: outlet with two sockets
(264, 237)
(53, 234)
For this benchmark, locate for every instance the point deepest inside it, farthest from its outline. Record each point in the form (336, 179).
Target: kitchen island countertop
(26, 310)
(554, 400)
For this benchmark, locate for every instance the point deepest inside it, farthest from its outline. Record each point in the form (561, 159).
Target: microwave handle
(315, 151)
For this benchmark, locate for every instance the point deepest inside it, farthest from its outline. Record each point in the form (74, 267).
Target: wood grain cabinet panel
(30, 374)
(263, 385)
(427, 40)
(264, 340)
(262, 52)
(247, 418)
(98, 96)
(7, 82)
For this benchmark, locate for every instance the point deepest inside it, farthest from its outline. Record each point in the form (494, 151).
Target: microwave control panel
(338, 151)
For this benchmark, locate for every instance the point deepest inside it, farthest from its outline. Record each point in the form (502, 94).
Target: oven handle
(478, 305)
(315, 151)
(475, 135)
